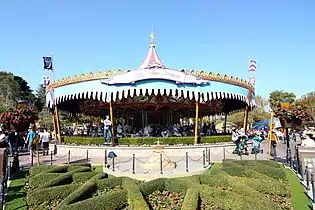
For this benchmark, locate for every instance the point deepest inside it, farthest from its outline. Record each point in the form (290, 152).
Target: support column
(54, 123)
(196, 122)
(246, 117)
(58, 134)
(224, 125)
(76, 127)
(112, 120)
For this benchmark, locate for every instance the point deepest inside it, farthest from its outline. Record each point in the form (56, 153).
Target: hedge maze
(234, 185)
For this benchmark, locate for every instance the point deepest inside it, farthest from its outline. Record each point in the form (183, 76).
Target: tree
(308, 99)
(277, 96)
(25, 92)
(40, 101)
(9, 90)
(257, 114)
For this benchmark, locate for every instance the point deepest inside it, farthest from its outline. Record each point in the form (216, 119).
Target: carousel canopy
(152, 78)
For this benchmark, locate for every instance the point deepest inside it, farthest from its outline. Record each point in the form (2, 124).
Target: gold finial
(152, 36)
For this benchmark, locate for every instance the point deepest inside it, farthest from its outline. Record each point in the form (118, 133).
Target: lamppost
(285, 104)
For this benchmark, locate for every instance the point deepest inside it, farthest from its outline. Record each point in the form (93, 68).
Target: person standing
(31, 140)
(107, 130)
(44, 137)
(308, 141)
(274, 141)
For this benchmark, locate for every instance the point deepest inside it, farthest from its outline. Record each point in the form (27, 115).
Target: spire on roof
(152, 59)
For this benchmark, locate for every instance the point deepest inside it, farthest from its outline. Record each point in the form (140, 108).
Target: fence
(157, 162)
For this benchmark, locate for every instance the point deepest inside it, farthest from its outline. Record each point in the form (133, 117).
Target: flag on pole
(46, 81)
(48, 65)
(252, 80)
(252, 65)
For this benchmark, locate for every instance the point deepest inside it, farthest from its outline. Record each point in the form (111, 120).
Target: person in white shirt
(308, 141)
(107, 130)
(44, 137)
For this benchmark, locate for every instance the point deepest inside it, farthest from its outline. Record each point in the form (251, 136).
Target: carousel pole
(58, 134)
(112, 120)
(54, 122)
(225, 120)
(196, 122)
(246, 117)
(270, 134)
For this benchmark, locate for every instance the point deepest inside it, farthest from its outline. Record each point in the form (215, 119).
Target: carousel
(152, 94)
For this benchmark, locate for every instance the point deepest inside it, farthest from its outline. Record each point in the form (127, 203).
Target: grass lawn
(16, 193)
(299, 198)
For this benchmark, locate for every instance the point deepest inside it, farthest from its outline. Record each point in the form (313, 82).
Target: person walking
(44, 138)
(31, 140)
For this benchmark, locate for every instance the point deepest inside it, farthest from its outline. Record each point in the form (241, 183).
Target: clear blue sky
(208, 35)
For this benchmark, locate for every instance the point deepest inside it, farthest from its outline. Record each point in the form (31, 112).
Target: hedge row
(191, 201)
(149, 140)
(135, 198)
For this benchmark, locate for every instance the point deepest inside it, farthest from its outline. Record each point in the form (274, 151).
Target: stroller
(241, 145)
(256, 145)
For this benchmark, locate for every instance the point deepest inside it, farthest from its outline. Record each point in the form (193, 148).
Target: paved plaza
(151, 164)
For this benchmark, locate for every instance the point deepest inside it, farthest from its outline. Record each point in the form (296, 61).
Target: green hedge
(41, 178)
(112, 201)
(84, 192)
(191, 201)
(39, 196)
(83, 176)
(135, 198)
(109, 183)
(149, 140)
(149, 187)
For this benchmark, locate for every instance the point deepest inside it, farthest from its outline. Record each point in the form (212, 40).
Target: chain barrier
(180, 160)
(194, 160)
(126, 161)
(158, 159)
(77, 158)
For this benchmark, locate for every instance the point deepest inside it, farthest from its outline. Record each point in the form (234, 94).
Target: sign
(145, 74)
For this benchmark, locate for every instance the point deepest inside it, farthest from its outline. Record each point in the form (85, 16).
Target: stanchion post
(307, 173)
(69, 157)
(105, 158)
(87, 156)
(133, 163)
(301, 170)
(10, 168)
(113, 163)
(255, 155)
(209, 156)
(32, 159)
(223, 153)
(186, 161)
(313, 187)
(203, 159)
(161, 163)
(241, 157)
(51, 157)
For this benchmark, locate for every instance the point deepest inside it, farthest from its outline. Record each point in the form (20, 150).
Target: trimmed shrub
(41, 178)
(176, 185)
(73, 167)
(115, 200)
(84, 192)
(214, 198)
(60, 180)
(135, 198)
(191, 201)
(39, 196)
(83, 176)
(109, 183)
(98, 176)
(39, 169)
(58, 169)
(149, 140)
(148, 188)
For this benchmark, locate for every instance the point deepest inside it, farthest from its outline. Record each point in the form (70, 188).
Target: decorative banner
(46, 81)
(252, 65)
(48, 65)
(252, 80)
